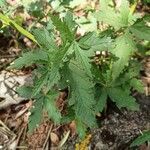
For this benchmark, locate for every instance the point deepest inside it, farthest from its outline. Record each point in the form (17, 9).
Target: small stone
(102, 146)
(54, 138)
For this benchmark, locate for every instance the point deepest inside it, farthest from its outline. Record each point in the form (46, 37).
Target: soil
(118, 129)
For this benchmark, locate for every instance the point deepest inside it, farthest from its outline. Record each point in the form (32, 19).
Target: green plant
(21, 11)
(145, 137)
(92, 67)
(146, 1)
(6, 21)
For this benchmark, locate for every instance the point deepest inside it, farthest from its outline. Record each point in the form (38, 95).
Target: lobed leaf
(57, 63)
(45, 39)
(25, 91)
(141, 28)
(122, 98)
(50, 106)
(40, 82)
(53, 77)
(63, 27)
(29, 58)
(82, 94)
(68, 19)
(116, 19)
(125, 47)
(36, 114)
(137, 85)
(92, 42)
(83, 59)
(128, 74)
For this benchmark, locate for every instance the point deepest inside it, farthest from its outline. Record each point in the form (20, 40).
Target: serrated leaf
(83, 59)
(141, 29)
(57, 62)
(94, 43)
(40, 82)
(137, 85)
(125, 47)
(45, 39)
(53, 77)
(63, 28)
(69, 54)
(86, 41)
(68, 19)
(141, 139)
(25, 91)
(50, 106)
(29, 58)
(82, 94)
(87, 23)
(35, 8)
(127, 75)
(122, 98)
(107, 14)
(36, 115)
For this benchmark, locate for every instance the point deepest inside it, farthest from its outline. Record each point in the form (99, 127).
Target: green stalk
(7, 21)
(133, 7)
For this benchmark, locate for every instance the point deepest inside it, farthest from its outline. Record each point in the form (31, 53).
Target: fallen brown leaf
(54, 138)
(72, 127)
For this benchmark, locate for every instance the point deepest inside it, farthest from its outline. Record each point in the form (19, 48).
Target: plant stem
(133, 7)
